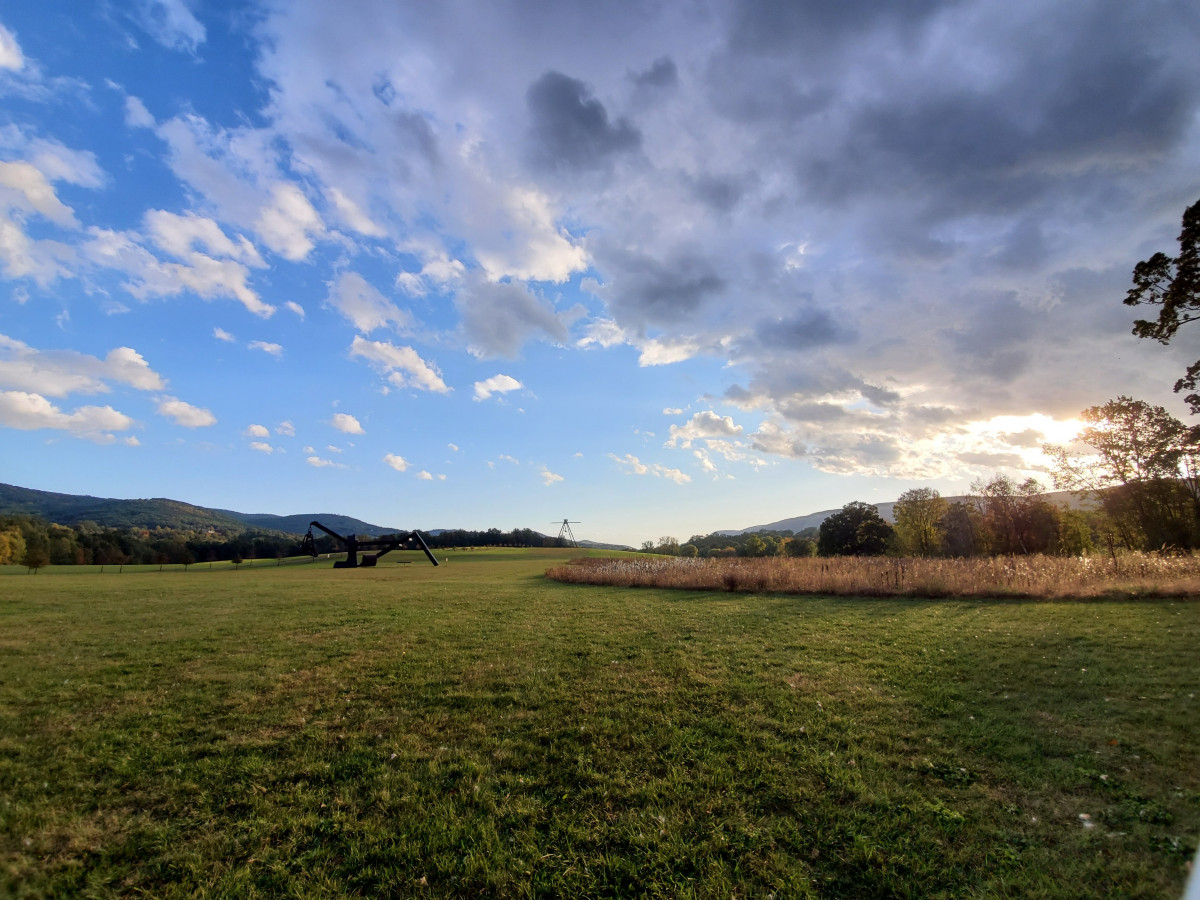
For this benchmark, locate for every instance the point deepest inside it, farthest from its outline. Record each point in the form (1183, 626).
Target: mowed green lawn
(476, 730)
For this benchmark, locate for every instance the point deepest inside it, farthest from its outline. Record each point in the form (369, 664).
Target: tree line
(32, 541)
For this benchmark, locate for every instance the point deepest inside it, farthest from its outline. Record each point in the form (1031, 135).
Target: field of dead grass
(1131, 575)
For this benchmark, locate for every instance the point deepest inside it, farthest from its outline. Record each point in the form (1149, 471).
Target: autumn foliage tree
(1142, 470)
(918, 514)
(1017, 517)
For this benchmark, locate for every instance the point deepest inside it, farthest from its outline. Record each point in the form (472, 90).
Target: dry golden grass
(1132, 575)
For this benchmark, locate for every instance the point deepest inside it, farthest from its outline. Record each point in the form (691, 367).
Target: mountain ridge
(162, 512)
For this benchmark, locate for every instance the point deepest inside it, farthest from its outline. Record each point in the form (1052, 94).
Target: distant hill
(1065, 499)
(298, 524)
(159, 512)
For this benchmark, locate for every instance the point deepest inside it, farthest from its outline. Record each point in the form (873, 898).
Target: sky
(659, 268)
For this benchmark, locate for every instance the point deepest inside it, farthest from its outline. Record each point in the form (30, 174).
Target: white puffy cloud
(362, 304)
(548, 477)
(702, 425)
(257, 431)
(352, 214)
(150, 277)
(603, 333)
(657, 352)
(403, 366)
(23, 186)
(319, 463)
(27, 411)
(26, 189)
(346, 423)
(272, 349)
(172, 23)
(288, 222)
(222, 335)
(399, 463)
(11, 56)
(634, 466)
(525, 240)
(239, 173)
(261, 447)
(293, 307)
(497, 384)
(184, 235)
(286, 428)
(57, 373)
(424, 476)
(136, 114)
(184, 413)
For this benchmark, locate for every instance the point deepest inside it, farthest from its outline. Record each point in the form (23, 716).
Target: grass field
(477, 730)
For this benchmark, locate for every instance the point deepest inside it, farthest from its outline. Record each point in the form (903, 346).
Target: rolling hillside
(160, 512)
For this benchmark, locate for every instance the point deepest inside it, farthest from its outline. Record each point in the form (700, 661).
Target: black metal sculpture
(354, 546)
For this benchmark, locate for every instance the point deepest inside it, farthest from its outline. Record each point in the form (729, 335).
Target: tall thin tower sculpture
(566, 533)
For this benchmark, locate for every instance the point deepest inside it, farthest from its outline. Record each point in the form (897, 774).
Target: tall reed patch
(1133, 575)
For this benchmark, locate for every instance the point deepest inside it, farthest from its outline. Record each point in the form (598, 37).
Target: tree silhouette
(1172, 283)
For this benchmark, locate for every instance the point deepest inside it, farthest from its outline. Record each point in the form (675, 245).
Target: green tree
(1172, 284)
(800, 547)
(918, 515)
(689, 551)
(856, 530)
(35, 557)
(754, 546)
(1143, 472)
(963, 531)
(1076, 537)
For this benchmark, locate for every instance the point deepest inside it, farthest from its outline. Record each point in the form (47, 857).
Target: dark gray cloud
(807, 330)
(499, 318)
(993, 337)
(570, 128)
(1023, 247)
(658, 290)
(783, 27)
(720, 193)
(1086, 95)
(662, 74)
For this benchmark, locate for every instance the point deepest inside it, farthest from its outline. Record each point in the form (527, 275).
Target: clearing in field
(477, 729)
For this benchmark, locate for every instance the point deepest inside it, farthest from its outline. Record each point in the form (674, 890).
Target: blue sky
(661, 268)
